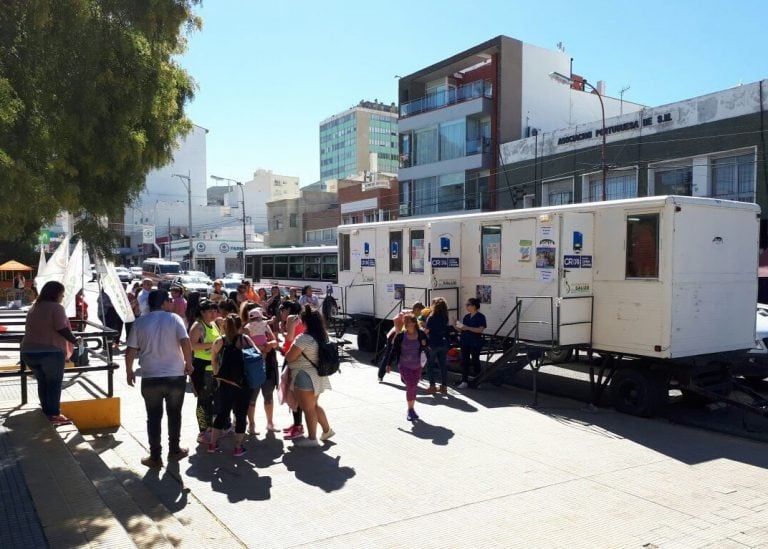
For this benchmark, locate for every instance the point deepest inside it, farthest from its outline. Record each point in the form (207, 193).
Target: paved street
(480, 469)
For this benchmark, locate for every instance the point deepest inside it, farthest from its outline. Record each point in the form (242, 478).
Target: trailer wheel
(636, 391)
(558, 355)
(366, 338)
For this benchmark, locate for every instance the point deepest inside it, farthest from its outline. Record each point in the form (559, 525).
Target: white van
(160, 271)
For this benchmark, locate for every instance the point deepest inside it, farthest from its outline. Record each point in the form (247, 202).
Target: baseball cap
(255, 314)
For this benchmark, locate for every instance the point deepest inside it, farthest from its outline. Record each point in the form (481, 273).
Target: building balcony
(478, 156)
(444, 98)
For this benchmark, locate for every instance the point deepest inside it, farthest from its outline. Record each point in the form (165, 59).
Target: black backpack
(231, 364)
(328, 358)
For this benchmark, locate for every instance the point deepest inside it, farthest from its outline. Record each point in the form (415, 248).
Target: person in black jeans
(160, 341)
(471, 327)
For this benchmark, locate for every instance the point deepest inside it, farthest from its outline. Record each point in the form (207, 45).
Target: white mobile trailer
(664, 277)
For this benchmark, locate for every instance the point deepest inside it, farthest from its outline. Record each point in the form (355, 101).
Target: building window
(426, 146)
(369, 218)
(417, 251)
(642, 246)
(673, 181)
(405, 197)
(490, 249)
(277, 222)
(618, 186)
(425, 196)
(558, 192)
(529, 201)
(476, 196)
(450, 195)
(396, 251)
(733, 178)
(293, 220)
(344, 249)
(453, 137)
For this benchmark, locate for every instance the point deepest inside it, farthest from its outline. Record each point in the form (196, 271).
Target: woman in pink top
(47, 341)
(179, 303)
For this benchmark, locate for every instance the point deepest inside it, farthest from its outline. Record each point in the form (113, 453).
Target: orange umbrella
(13, 265)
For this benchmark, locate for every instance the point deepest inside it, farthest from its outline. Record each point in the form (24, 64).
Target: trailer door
(576, 284)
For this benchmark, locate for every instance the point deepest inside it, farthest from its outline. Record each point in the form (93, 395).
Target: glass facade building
(347, 139)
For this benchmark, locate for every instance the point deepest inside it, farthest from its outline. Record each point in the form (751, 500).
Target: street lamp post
(188, 185)
(242, 193)
(559, 77)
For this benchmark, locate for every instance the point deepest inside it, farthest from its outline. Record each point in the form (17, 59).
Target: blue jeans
(48, 367)
(155, 391)
(437, 358)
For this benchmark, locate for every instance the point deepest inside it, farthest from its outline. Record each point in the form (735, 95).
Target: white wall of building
(548, 105)
(730, 103)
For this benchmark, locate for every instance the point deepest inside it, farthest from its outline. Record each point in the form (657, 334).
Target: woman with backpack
(437, 333)
(306, 383)
(234, 391)
(408, 352)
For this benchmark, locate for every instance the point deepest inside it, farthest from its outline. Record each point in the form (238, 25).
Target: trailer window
(642, 246)
(281, 266)
(396, 251)
(417, 251)
(344, 251)
(490, 249)
(296, 266)
(312, 266)
(267, 267)
(329, 267)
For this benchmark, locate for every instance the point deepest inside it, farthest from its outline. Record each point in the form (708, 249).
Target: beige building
(289, 219)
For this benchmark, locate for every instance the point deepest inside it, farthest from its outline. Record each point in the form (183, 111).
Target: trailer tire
(366, 338)
(637, 391)
(558, 355)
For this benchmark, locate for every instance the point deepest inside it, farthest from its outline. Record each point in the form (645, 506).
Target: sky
(269, 72)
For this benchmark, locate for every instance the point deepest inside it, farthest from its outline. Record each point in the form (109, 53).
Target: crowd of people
(203, 338)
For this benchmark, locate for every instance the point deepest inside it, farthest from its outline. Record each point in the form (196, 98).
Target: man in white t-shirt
(146, 287)
(160, 341)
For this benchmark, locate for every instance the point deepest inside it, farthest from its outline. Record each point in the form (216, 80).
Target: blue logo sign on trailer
(445, 262)
(367, 262)
(577, 262)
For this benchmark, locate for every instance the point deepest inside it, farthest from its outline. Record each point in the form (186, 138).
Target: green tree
(91, 99)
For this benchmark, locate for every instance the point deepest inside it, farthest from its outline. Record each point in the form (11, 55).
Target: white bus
(294, 267)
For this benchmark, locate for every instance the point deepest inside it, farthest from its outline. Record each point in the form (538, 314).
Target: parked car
(235, 276)
(136, 271)
(190, 283)
(124, 274)
(201, 275)
(230, 284)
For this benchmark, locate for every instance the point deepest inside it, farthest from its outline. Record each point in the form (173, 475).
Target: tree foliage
(91, 99)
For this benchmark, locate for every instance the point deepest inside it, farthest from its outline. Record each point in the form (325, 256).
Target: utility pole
(188, 185)
(242, 192)
(170, 241)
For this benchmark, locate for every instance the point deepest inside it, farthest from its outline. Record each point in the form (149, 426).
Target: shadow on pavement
(437, 434)
(312, 466)
(234, 476)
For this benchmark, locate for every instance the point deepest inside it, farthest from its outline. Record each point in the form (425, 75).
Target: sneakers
(412, 415)
(58, 420)
(415, 415)
(462, 385)
(307, 443)
(152, 463)
(444, 389)
(381, 380)
(213, 448)
(294, 432)
(431, 390)
(328, 434)
(238, 451)
(204, 437)
(179, 454)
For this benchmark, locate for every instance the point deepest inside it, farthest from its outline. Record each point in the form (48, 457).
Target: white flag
(112, 286)
(41, 263)
(57, 264)
(73, 279)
